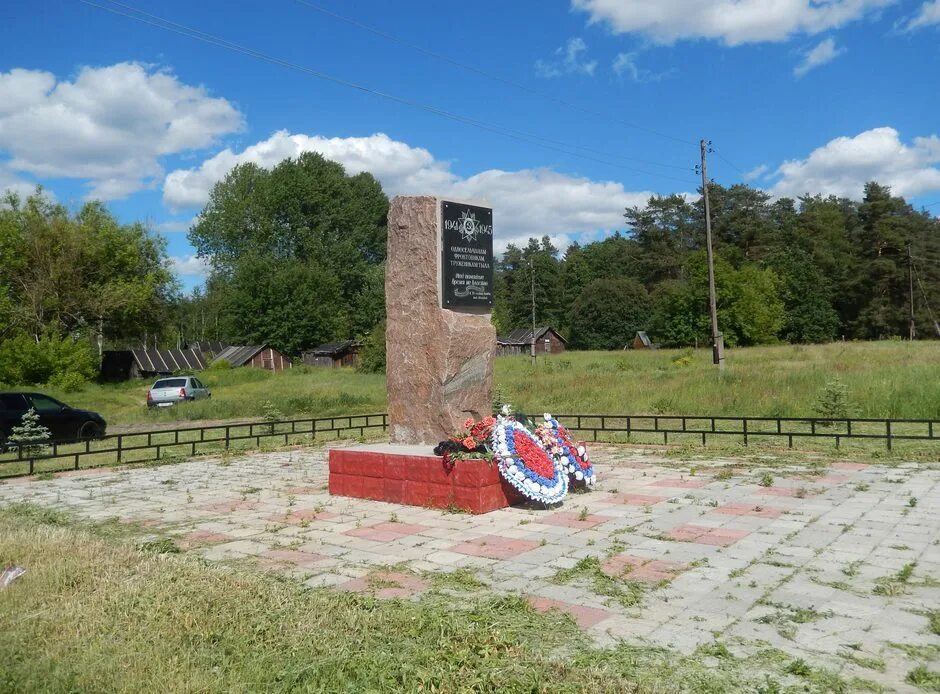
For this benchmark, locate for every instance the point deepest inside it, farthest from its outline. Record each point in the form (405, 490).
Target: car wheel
(89, 430)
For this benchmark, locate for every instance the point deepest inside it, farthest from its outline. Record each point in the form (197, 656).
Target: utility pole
(718, 340)
(910, 276)
(532, 276)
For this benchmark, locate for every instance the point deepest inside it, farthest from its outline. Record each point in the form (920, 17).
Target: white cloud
(843, 166)
(526, 202)
(189, 266)
(110, 126)
(928, 15)
(732, 22)
(825, 51)
(9, 183)
(625, 64)
(569, 62)
(755, 173)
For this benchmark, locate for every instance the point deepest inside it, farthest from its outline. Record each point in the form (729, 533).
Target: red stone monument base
(413, 475)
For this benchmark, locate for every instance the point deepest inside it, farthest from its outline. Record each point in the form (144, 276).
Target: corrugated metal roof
(239, 355)
(523, 336)
(212, 347)
(167, 361)
(331, 348)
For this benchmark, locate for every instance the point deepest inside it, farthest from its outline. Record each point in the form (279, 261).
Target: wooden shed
(332, 354)
(519, 341)
(643, 341)
(254, 356)
(124, 364)
(210, 348)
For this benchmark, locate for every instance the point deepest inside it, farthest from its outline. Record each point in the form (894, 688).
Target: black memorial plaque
(467, 255)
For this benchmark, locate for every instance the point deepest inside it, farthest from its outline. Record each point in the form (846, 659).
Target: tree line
(296, 256)
(809, 270)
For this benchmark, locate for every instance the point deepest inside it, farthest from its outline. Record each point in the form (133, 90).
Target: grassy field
(95, 612)
(883, 379)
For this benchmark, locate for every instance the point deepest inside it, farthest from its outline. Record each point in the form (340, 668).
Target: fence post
(888, 432)
(744, 422)
(227, 436)
(120, 446)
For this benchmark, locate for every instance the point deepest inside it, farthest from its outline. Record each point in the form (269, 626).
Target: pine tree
(29, 435)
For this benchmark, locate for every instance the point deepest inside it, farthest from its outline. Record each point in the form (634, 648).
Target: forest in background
(296, 256)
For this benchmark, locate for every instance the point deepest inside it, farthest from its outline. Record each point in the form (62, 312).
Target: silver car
(169, 391)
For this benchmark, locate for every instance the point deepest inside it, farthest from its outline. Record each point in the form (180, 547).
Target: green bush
(372, 354)
(69, 382)
(26, 361)
(833, 401)
(219, 365)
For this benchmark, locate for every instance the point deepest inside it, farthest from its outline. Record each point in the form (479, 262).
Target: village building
(254, 356)
(124, 364)
(519, 341)
(332, 354)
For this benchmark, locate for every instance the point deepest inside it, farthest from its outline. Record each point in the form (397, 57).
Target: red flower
(469, 443)
(533, 456)
(489, 421)
(469, 423)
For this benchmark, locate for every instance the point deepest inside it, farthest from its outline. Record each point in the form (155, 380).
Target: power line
(484, 73)
(189, 32)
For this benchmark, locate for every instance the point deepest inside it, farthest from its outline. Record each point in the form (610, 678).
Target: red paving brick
(637, 499)
(403, 585)
(386, 532)
(677, 483)
(570, 519)
(585, 617)
(749, 510)
(850, 466)
(777, 491)
(641, 568)
(494, 547)
(706, 536)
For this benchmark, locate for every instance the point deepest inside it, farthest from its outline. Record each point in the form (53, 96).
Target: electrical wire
(483, 73)
(189, 32)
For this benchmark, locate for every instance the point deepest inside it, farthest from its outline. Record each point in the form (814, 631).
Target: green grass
(95, 613)
(884, 379)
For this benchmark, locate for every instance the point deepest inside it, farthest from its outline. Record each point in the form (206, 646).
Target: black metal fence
(780, 428)
(151, 446)
(148, 446)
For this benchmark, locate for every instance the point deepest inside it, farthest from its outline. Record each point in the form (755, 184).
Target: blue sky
(797, 95)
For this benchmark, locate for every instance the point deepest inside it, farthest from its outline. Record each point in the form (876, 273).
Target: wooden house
(124, 364)
(254, 356)
(519, 341)
(643, 341)
(333, 354)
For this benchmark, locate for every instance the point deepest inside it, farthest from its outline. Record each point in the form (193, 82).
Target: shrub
(26, 361)
(372, 354)
(69, 382)
(219, 365)
(833, 401)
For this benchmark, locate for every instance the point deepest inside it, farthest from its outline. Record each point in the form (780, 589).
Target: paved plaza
(838, 564)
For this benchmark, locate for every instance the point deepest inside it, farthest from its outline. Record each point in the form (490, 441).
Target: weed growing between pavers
(925, 679)
(588, 570)
(787, 616)
(459, 579)
(895, 583)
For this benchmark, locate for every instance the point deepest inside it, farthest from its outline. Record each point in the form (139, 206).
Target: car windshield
(170, 383)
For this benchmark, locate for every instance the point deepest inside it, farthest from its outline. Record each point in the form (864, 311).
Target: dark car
(64, 423)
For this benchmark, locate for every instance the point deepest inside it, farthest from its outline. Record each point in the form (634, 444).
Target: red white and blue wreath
(525, 463)
(574, 456)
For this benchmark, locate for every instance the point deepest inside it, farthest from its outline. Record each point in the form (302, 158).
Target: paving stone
(826, 550)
